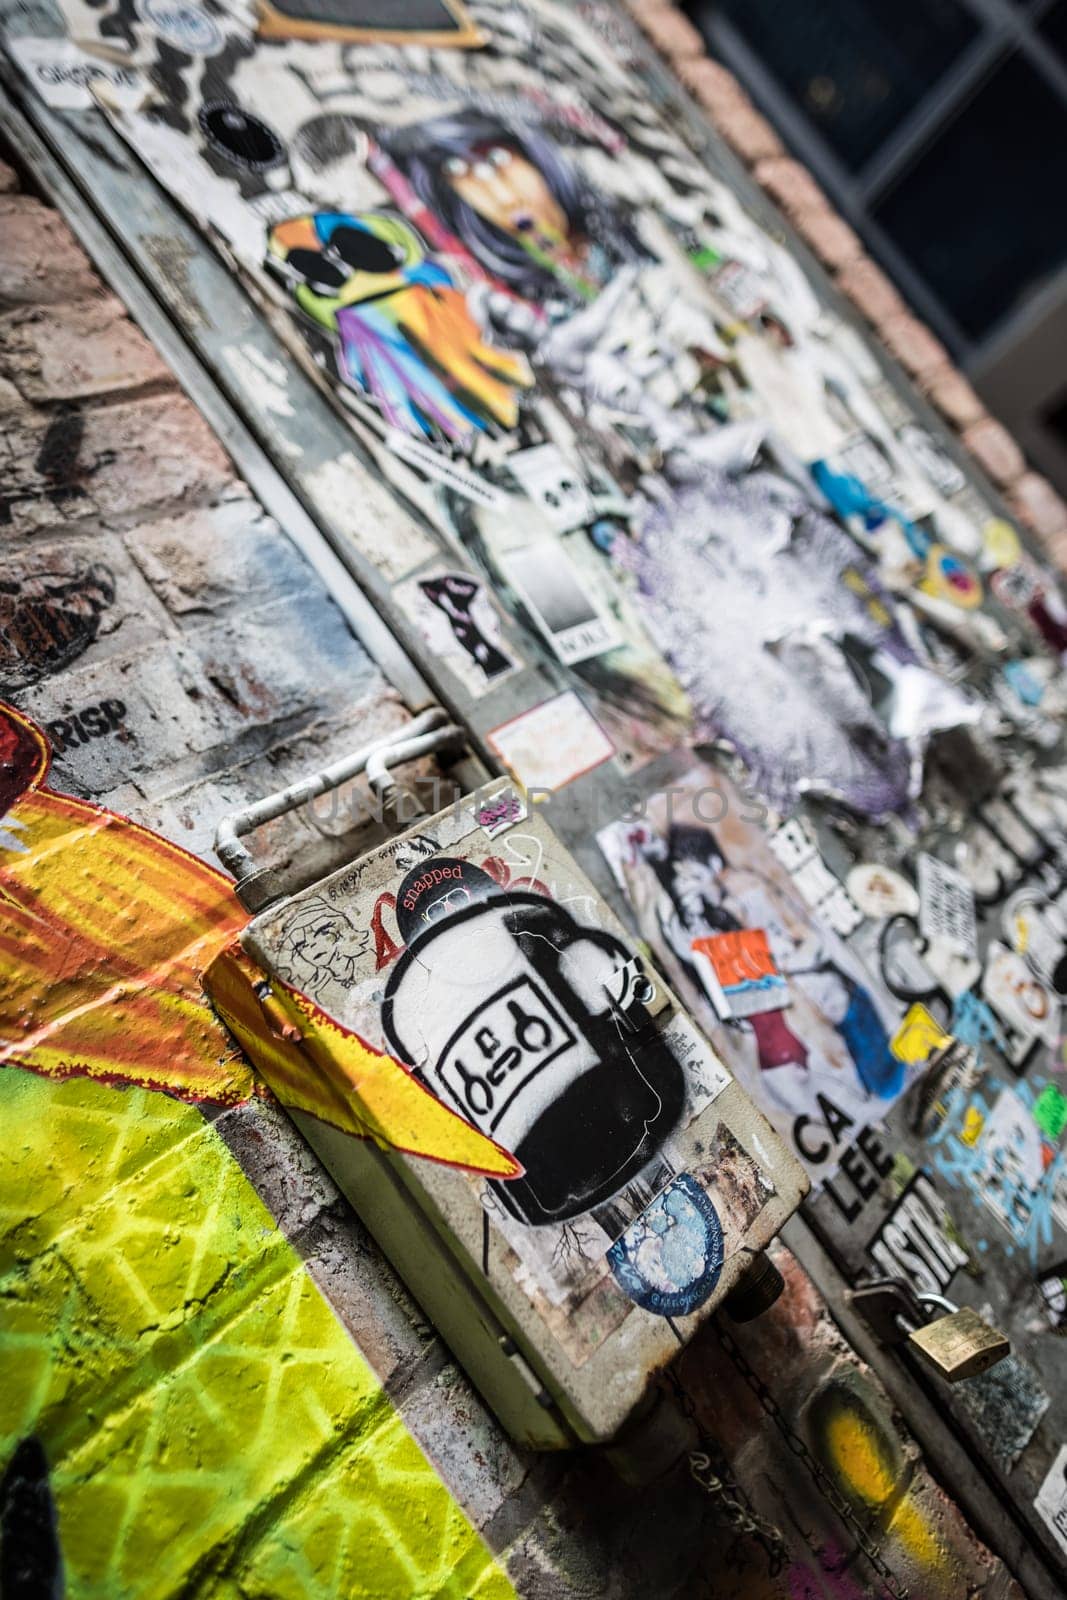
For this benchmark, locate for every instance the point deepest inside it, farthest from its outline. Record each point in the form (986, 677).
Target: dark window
(975, 214)
(1055, 417)
(856, 68)
(1053, 28)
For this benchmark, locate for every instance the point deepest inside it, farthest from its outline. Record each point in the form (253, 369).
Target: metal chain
(731, 1499)
(797, 1446)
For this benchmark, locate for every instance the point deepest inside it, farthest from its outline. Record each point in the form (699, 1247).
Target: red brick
(995, 451)
(711, 84)
(831, 238)
(870, 291)
(73, 352)
(1036, 503)
(41, 262)
(1056, 550)
(672, 34)
(912, 343)
(791, 185)
(949, 391)
(746, 131)
(9, 180)
(109, 461)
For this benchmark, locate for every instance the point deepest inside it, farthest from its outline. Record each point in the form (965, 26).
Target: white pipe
(381, 779)
(236, 858)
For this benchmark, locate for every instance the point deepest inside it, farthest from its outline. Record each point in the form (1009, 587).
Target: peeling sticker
(553, 744)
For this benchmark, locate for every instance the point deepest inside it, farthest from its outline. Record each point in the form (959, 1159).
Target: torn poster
(822, 1067)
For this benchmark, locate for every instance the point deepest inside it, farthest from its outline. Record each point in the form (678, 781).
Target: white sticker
(183, 25)
(935, 463)
(1012, 1166)
(435, 464)
(1051, 1500)
(61, 75)
(458, 620)
(553, 484)
(882, 891)
(553, 744)
(946, 907)
(559, 601)
(795, 847)
(1019, 997)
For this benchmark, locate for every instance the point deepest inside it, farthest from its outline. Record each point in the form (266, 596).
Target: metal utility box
(474, 952)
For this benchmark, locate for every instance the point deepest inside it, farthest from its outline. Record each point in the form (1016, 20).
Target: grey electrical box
(473, 952)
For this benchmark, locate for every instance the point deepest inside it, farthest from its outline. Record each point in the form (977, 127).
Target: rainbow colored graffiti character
(403, 332)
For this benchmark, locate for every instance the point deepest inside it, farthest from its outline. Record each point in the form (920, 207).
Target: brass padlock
(958, 1345)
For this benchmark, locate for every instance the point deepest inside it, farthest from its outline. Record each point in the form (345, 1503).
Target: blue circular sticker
(183, 25)
(669, 1259)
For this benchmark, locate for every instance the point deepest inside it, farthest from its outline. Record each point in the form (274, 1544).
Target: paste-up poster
(806, 1029)
(524, 293)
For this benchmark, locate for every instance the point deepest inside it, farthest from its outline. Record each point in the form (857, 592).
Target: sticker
(932, 460)
(546, 475)
(500, 813)
(552, 744)
(739, 973)
(1052, 1287)
(946, 907)
(795, 847)
(697, 863)
(240, 137)
(1034, 929)
(948, 577)
(461, 625)
(435, 464)
(1050, 1112)
(952, 1072)
(64, 77)
(1019, 997)
(918, 1036)
(1050, 1502)
(881, 891)
(184, 26)
(915, 1241)
(740, 289)
(559, 600)
(1011, 1163)
(1005, 1405)
(1000, 543)
(971, 1131)
(669, 1259)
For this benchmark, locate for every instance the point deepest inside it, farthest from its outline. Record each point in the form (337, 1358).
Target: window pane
(855, 67)
(975, 214)
(1054, 28)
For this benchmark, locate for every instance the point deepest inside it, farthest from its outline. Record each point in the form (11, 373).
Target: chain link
(733, 1503)
(831, 1494)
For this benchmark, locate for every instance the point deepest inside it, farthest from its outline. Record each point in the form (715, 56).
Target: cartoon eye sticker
(315, 268)
(246, 141)
(362, 251)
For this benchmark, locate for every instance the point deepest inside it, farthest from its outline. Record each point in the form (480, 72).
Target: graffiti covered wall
(631, 455)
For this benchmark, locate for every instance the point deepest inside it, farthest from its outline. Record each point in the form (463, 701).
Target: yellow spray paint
(866, 1467)
(209, 1427)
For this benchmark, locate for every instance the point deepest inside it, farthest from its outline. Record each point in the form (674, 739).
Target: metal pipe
(381, 779)
(236, 858)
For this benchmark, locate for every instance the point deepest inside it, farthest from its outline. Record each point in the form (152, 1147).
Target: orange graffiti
(106, 932)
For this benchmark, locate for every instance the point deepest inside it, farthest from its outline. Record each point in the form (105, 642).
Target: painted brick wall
(152, 1308)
